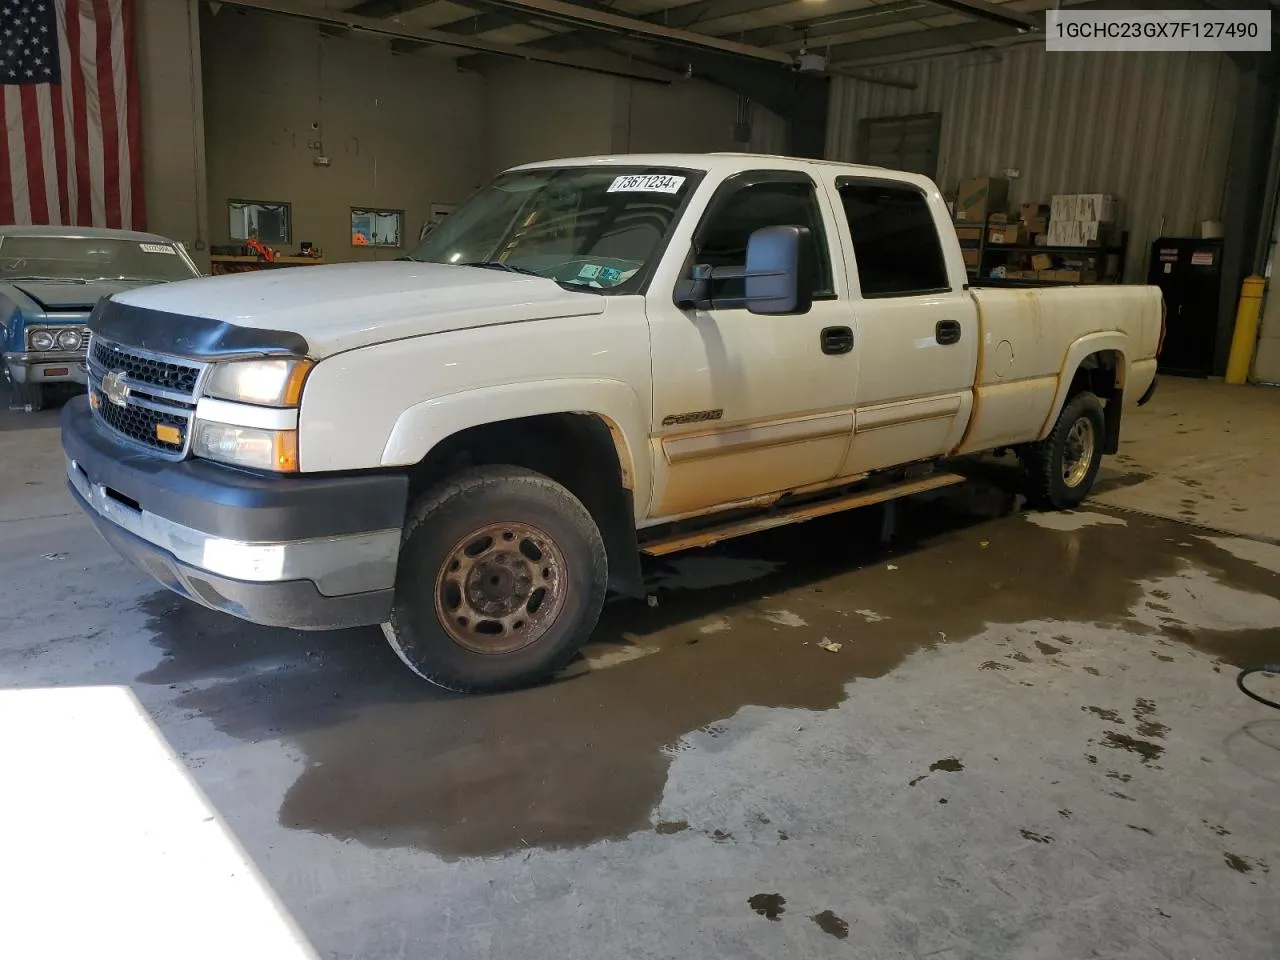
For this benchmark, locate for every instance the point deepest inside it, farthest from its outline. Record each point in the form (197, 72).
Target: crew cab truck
(591, 359)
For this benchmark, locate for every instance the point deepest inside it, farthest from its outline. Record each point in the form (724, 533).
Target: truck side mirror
(778, 276)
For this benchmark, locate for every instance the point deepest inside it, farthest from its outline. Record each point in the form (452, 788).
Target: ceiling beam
(381, 9)
(994, 13)
(919, 41)
(682, 17)
(707, 11)
(593, 61)
(812, 33)
(578, 16)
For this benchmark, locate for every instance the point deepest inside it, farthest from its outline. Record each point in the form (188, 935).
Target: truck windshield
(592, 228)
(90, 258)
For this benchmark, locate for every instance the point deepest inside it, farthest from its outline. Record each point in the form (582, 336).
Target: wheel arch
(590, 452)
(1098, 363)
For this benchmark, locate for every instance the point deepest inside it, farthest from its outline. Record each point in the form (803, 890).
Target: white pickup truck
(590, 360)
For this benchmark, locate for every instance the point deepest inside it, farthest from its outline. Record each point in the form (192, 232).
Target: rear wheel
(1063, 467)
(501, 577)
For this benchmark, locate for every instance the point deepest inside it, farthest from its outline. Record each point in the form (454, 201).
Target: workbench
(223, 264)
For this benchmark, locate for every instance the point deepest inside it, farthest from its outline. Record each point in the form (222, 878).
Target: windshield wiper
(44, 279)
(127, 279)
(499, 265)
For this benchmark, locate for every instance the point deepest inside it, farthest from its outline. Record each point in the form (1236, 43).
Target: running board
(797, 514)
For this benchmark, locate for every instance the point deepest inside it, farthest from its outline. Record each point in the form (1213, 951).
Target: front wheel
(1063, 467)
(501, 577)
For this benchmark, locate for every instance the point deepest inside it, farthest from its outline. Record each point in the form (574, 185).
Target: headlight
(42, 340)
(250, 447)
(270, 383)
(69, 339)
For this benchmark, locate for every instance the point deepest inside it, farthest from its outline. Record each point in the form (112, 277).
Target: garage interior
(998, 733)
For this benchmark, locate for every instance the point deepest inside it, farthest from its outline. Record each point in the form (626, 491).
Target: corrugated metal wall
(1153, 129)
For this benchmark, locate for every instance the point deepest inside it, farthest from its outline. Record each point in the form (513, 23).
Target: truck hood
(351, 305)
(63, 297)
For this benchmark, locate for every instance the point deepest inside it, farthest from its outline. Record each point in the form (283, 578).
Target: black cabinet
(1189, 273)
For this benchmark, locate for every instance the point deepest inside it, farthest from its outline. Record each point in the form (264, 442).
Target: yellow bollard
(1245, 337)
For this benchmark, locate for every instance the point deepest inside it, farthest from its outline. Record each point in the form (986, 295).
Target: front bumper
(58, 366)
(312, 553)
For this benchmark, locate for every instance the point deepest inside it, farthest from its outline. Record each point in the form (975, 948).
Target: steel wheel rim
(500, 588)
(1077, 454)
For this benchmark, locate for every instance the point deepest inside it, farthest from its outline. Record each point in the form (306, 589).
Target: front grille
(139, 423)
(160, 397)
(166, 372)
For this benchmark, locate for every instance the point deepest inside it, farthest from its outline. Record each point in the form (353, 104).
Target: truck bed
(1029, 337)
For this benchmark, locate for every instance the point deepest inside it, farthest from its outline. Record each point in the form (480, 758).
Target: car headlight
(69, 339)
(251, 447)
(41, 340)
(269, 383)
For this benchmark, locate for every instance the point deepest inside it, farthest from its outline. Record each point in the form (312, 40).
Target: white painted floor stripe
(108, 848)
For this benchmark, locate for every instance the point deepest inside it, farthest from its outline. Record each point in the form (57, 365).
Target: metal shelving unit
(1119, 251)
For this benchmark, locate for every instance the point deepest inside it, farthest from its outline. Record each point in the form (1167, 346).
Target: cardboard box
(999, 217)
(970, 255)
(1041, 261)
(1097, 207)
(1077, 233)
(1033, 211)
(1063, 207)
(968, 233)
(981, 196)
(1046, 274)
(1076, 276)
(1013, 273)
(1010, 234)
(1036, 225)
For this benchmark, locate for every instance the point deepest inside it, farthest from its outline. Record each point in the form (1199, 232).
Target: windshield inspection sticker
(157, 248)
(648, 183)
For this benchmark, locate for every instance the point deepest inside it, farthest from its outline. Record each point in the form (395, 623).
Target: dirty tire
(445, 569)
(28, 397)
(1059, 476)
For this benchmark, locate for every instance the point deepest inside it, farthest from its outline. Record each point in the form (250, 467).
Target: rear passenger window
(895, 241)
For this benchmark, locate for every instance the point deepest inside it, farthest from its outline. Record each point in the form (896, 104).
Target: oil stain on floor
(392, 762)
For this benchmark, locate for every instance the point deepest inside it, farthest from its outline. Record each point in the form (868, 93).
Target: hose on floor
(1273, 668)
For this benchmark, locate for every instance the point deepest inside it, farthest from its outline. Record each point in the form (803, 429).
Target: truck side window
(895, 241)
(771, 203)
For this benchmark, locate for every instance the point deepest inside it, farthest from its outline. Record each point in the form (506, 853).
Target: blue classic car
(50, 278)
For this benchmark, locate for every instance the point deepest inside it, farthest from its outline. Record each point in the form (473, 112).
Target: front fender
(1076, 352)
(12, 329)
(424, 425)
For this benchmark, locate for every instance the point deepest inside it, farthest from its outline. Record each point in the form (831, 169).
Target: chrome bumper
(338, 566)
(35, 367)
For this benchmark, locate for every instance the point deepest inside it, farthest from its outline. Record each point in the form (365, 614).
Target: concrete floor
(1028, 744)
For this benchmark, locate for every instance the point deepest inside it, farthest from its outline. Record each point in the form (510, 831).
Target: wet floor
(1002, 734)
(391, 762)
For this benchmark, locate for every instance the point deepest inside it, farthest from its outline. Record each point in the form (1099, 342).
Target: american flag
(71, 151)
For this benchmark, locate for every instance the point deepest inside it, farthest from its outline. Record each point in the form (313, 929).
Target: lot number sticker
(648, 183)
(158, 248)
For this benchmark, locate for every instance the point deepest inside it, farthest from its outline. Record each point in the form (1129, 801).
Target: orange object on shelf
(261, 249)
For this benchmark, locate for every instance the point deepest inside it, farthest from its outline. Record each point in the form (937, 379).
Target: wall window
(269, 222)
(377, 228)
(901, 143)
(895, 240)
(722, 240)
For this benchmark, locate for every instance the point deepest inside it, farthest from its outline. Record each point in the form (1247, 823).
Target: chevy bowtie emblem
(114, 388)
